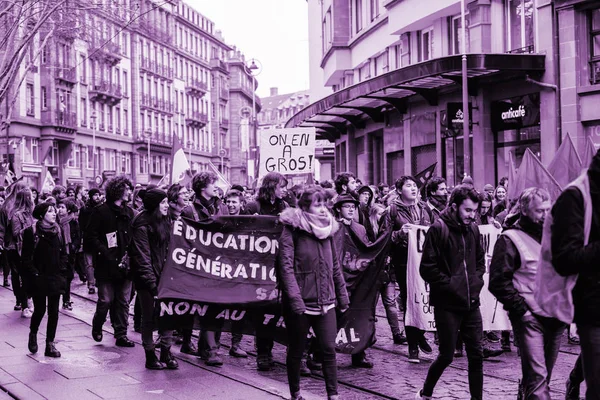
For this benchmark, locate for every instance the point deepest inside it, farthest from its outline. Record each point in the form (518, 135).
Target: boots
(152, 361)
(167, 358)
(32, 345)
(51, 350)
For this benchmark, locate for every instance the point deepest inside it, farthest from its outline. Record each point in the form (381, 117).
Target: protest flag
(588, 153)
(425, 175)
(48, 185)
(179, 162)
(221, 183)
(565, 167)
(533, 174)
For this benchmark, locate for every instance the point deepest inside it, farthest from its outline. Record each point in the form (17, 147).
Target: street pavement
(90, 370)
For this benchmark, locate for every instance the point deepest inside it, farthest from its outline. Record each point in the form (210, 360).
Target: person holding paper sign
(312, 283)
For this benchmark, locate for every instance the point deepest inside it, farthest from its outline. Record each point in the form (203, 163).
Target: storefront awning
(392, 90)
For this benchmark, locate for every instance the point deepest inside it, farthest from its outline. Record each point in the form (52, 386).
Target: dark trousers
(576, 375)
(412, 334)
(448, 324)
(539, 342)
(264, 340)
(148, 305)
(67, 295)
(5, 265)
(589, 337)
(39, 304)
(325, 329)
(113, 297)
(17, 280)
(80, 267)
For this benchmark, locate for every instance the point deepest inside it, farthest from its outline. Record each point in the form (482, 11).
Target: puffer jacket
(454, 270)
(570, 256)
(148, 254)
(506, 260)
(308, 268)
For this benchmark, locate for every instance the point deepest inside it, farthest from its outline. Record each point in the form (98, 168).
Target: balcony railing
(196, 119)
(64, 121)
(155, 103)
(595, 72)
(156, 32)
(156, 68)
(65, 73)
(196, 87)
(156, 137)
(106, 51)
(523, 50)
(105, 92)
(217, 63)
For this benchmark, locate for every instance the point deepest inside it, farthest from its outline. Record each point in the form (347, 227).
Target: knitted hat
(488, 188)
(152, 198)
(41, 209)
(93, 191)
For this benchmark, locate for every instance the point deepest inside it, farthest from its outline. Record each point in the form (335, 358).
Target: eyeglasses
(349, 207)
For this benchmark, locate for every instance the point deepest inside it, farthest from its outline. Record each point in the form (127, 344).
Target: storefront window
(595, 45)
(454, 160)
(395, 166)
(520, 23)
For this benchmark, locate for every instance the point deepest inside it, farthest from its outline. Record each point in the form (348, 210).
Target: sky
(275, 32)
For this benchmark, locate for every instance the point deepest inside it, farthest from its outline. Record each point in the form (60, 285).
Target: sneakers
(413, 356)
(30, 304)
(213, 359)
(574, 339)
(91, 290)
(68, 305)
(26, 313)
(237, 352)
(424, 345)
(492, 337)
(421, 397)
(399, 338)
(297, 396)
(17, 307)
(458, 353)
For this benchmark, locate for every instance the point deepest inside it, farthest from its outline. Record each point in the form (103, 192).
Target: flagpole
(465, 94)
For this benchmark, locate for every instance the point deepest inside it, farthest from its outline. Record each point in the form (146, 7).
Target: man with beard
(345, 183)
(512, 280)
(437, 195)
(108, 235)
(453, 265)
(84, 219)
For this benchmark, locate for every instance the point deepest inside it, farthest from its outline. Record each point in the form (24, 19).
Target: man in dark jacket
(108, 236)
(512, 280)
(571, 256)
(453, 265)
(84, 219)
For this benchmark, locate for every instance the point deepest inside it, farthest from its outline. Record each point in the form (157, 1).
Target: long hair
(487, 197)
(161, 226)
(9, 204)
(23, 201)
(269, 184)
(373, 211)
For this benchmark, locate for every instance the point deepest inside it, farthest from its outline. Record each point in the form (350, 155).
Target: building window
(54, 155)
(327, 30)
(118, 119)
(30, 151)
(82, 64)
(364, 72)
(381, 64)
(125, 122)
(456, 35)
(595, 45)
(520, 14)
(125, 83)
(83, 111)
(425, 41)
(44, 98)
(110, 119)
(358, 15)
(101, 117)
(374, 9)
(30, 100)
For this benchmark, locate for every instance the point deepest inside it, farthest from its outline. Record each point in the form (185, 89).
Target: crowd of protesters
(116, 240)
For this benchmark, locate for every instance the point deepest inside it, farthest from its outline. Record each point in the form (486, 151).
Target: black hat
(152, 198)
(93, 191)
(345, 198)
(41, 209)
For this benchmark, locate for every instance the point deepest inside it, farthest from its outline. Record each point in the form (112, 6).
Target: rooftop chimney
(274, 91)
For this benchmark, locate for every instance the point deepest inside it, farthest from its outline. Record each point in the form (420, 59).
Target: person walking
(69, 226)
(108, 235)
(150, 231)
(94, 200)
(512, 281)
(453, 264)
(45, 265)
(307, 250)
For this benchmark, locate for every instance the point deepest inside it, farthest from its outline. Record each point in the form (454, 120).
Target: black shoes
(97, 334)
(424, 345)
(304, 370)
(51, 350)
(413, 355)
(492, 337)
(32, 344)
(265, 363)
(91, 290)
(167, 358)
(489, 352)
(361, 361)
(124, 342)
(399, 338)
(152, 361)
(572, 390)
(189, 347)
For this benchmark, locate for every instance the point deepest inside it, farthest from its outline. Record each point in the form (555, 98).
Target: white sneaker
(30, 304)
(418, 396)
(26, 313)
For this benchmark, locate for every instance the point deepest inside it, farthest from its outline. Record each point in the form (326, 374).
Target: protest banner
(222, 274)
(419, 313)
(287, 151)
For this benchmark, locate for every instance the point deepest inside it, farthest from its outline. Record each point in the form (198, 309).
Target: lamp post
(255, 70)
(93, 123)
(465, 94)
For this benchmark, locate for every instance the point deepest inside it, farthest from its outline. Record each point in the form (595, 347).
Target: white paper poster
(287, 151)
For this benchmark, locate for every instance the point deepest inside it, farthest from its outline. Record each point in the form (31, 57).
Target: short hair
(382, 185)
(235, 193)
(58, 189)
(342, 179)
(239, 188)
(173, 192)
(201, 180)
(311, 194)
(464, 192)
(116, 187)
(326, 184)
(402, 180)
(503, 181)
(70, 204)
(527, 196)
(434, 184)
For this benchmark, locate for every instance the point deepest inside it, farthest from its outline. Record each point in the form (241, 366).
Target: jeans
(539, 342)
(17, 280)
(113, 297)
(325, 329)
(89, 268)
(148, 305)
(448, 324)
(589, 337)
(39, 304)
(388, 297)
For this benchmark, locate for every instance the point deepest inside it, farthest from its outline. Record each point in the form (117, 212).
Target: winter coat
(148, 254)
(364, 210)
(204, 210)
(44, 263)
(84, 220)
(454, 270)
(263, 207)
(19, 221)
(308, 268)
(506, 260)
(106, 220)
(570, 256)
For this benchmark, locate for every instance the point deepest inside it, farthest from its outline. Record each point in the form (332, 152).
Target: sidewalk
(90, 370)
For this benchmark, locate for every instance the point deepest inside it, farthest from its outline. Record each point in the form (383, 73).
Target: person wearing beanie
(44, 258)
(151, 229)
(489, 189)
(94, 200)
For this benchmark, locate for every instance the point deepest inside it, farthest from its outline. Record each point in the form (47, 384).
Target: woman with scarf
(45, 266)
(69, 225)
(312, 283)
(151, 230)
(500, 201)
(405, 212)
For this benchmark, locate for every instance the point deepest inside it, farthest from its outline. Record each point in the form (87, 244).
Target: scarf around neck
(321, 227)
(66, 227)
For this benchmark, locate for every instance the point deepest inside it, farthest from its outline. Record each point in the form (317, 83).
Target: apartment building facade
(394, 68)
(109, 98)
